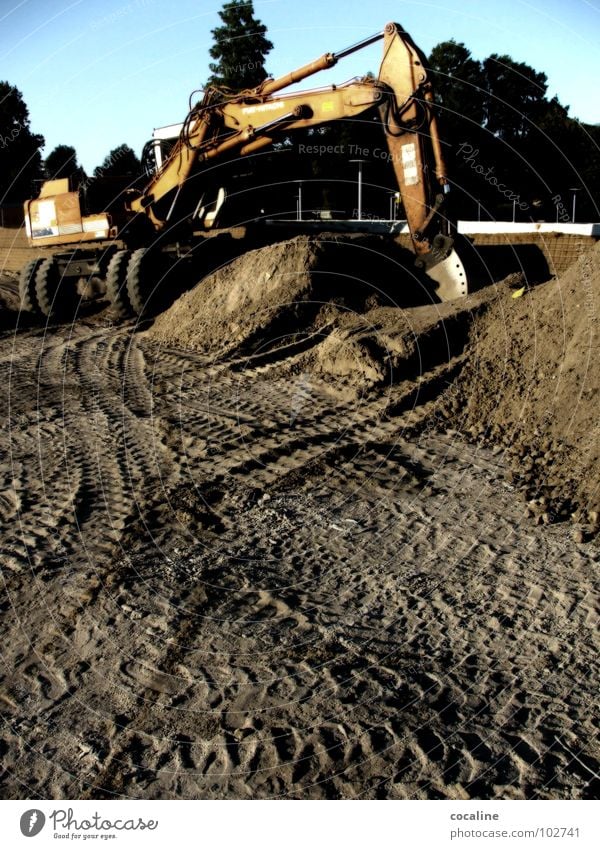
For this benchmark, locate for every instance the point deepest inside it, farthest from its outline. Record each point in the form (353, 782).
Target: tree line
(511, 149)
(22, 168)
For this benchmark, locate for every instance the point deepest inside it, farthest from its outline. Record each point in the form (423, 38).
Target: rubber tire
(116, 284)
(56, 295)
(104, 260)
(29, 302)
(144, 274)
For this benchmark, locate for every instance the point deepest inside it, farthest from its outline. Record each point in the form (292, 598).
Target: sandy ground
(234, 579)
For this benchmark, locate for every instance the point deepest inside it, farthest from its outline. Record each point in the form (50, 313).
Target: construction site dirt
(302, 537)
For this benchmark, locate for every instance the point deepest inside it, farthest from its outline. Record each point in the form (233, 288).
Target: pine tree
(240, 48)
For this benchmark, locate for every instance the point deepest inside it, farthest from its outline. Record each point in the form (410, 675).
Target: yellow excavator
(182, 202)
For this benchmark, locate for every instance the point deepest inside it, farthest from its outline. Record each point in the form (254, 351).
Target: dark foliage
(20, 158)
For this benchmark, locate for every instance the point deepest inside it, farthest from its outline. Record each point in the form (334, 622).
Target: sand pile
(252, 295)
(271, 295)
(522, 372)
(532, 383)
(385, 346)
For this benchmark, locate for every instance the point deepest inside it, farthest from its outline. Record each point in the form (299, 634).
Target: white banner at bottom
(301, 825)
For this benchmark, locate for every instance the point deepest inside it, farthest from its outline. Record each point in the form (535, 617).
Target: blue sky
(97, 74)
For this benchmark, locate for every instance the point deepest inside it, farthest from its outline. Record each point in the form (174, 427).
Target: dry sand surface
(269, 547)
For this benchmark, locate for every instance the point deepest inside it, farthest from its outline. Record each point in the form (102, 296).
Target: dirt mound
(532, 383)
(244, 298)
(350, 309)
(386, 346)
(273, 294)
(520, 371)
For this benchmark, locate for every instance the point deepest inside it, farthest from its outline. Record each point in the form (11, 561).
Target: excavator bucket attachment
(450, 276)
(410, 123)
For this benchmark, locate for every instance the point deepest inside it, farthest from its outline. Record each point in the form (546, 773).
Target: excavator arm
(244, 127)
(416, 153)
(241, 123)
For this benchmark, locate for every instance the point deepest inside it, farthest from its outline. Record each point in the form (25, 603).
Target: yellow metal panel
(54, 187)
